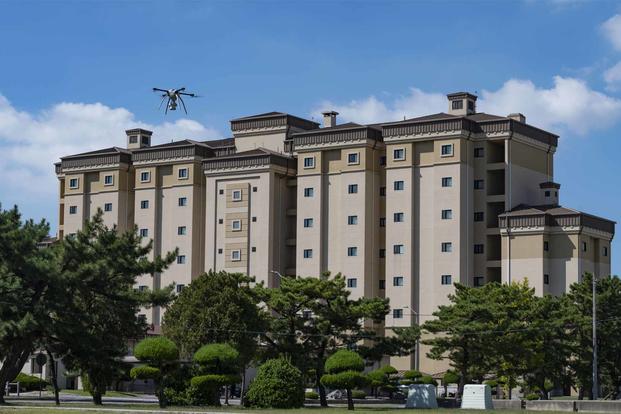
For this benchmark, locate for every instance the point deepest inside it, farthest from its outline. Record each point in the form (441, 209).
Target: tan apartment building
(402, 209)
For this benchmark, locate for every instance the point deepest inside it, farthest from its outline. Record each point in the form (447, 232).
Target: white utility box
(477, 397)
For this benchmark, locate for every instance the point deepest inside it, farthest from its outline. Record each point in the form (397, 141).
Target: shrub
(156, 351)
(532, 396)
(450, 377)
(344, 370)
(358, 394)
(428, 379)
(144, 372)
(311, 395)
(278, 384)
(411, 377)
(205, 389)
(216, 355)
(30, 382)
(344, 360)
(492, 383)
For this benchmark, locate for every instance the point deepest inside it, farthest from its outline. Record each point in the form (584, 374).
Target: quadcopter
(172, 95)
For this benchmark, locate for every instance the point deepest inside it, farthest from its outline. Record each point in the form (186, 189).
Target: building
(403, 209)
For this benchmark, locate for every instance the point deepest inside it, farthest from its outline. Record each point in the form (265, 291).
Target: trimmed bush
(311, 395)
(358, 394)
(532, 396)
(216, 355)
(156, 351)
(411, 377)
(30, 382)
(145, 372)
(344, 360)
(428, 379)
(278, 384)
(344, 370)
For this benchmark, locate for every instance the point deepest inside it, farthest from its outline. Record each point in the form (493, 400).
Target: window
(605, 251)
(447, 181)
(546, 246)
(479, 281)
(547, 193)
(546, 279)
(254, 249)
(382, 253)
(352, 220)
(142, 288)
(397, 313)
(308, 253)
(584, 246)
(220, 221)
(382, 160)
(353, 158)
(180, 288)
(479, 216)
(471, 106)
(397, 281)
(235, 255)
(181, 230)
(446, 279)
(447, 214)
(457, 104)
(236, 195)
(479, 184)
(398, 249)
(219, 251)
(382, 221)
(398, 217)
(478, 249)
(144, 204)
(255, 189)
(306, 314)
(479, 152)
(220, 191)
(399, 185)
(183, 201)
(382, 284)
(73, 209)
(254, 219)
(108, 179)
(308, 192)
(382, 191)
(308, 222)
(352, 188)
(74, 183)
(398, 154)
(309, 162)
(447, 247)
(145, 176)
(183, 173)
(133, 139)
(236, 225)
(352, 251)
(446, 150)
(108, 207)
(352, 283)
(181, 259)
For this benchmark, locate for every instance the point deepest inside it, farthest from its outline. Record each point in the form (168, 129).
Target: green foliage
(411, 377)
(278, 384)
(145, 372)
(450, 377)
(344, 379)
(156, 350)
(205, 389)
(30, 382)
(532, 396)
(311, 395)
(217, 358)
(344, 360)
(358, 394)
(428, 379)
(492, 383)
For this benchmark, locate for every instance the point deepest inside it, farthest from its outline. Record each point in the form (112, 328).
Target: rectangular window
(144, 204)
(352, 283)
(398, 154)
(74, 183)
(605, 251)
(183, 201)
(398, 217)
(382, 160)
(479, 216)
(353, 158)
(447, 150)
(145, 176)
(108, 207)
(547, 193)
(397, 313)
(182, 230)
(183, 173)
(142, 288)
(479, 184)
(447, 181)
(479, 152)
(221, 191)
(382, 191)
(479, 281)
(235, 255)
(180, 288)
(457, 104)
(236, 225)
(446, 279)
(309, 162)
(546, 246)
(181, 259)
(382, 222)
(382, 284)
(382, 253)
(108, 179)
(308, 192)
(397, 281)
(144, 232)
(399, 185)
(308, 253)
(255, 189)
(352, 251)
(219, 251)
(308, 222)
(254, 249)
(447, 247)
(478, 249)
(447, 214)
(236, 195)
(73, 209)
(584, 246)
(352, 220)
(352, 188)
(546, 280)
(398, 249)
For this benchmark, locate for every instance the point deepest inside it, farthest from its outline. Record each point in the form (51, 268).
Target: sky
(75, 74)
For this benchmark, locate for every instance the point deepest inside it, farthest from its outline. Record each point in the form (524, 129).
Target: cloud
(612, 30)
(568, 107)
(31, 142)
(612, 77)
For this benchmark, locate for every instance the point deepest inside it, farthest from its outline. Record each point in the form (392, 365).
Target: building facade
(402, 209)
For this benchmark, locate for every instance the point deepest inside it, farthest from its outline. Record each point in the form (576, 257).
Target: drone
(171, 96)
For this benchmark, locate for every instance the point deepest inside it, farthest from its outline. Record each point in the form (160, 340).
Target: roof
(224, 142)
(271, 120)
(251, 158)
(104, 151)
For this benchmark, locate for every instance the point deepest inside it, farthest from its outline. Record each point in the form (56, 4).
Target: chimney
(329, 119)
(517, 117)
(462, 103)
(138, 138)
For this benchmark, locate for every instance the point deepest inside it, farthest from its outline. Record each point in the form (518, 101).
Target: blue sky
(74, 74)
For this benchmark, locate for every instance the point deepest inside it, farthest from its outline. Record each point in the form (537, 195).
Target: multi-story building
(403, 209)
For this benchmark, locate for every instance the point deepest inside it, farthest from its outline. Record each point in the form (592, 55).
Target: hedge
(278, 384)
(156, 350)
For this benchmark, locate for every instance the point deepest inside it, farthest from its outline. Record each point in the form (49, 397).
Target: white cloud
(612, 76)
(31, 142)
(568, 107)
(612, 30)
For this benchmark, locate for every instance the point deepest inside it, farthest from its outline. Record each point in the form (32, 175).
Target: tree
(383, 378)
(344, 370)
(101, 266)
(32, 291)
(450, 377)
(278, 384)
(219, 366)
(411, 377)
(160, 354)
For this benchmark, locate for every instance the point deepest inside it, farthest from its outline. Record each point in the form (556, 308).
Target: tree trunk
(242, 392)
(350, 400)
(54, 376)
(97, 397)
(16, 357)
(226, 394)
(319, 370)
